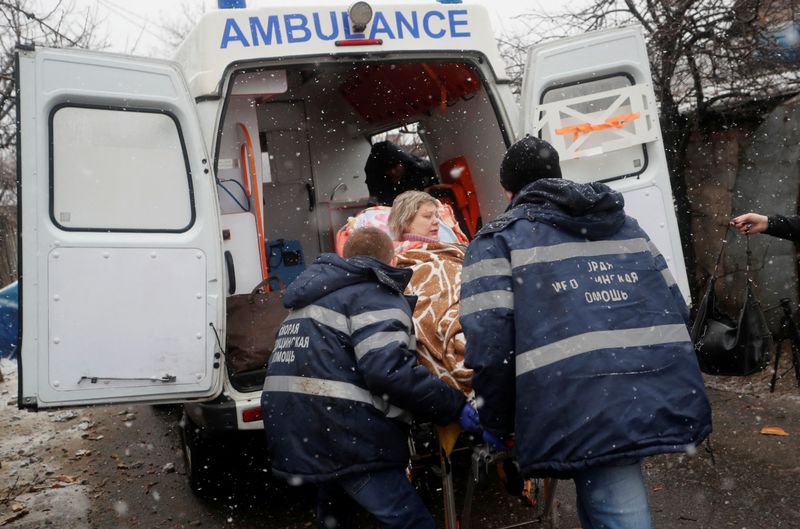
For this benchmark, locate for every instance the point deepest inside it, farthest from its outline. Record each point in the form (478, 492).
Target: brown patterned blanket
(437, 284)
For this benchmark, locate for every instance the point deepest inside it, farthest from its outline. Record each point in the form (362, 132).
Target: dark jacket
(385, 155)
(784, 227)
(577, 335)
(343, 379)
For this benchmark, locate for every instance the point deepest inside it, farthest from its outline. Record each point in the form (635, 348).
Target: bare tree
(704, 55)
(175, 29)
(24, 22)
(27, 22)
(8, 220)
(536, 27)
(8, 177)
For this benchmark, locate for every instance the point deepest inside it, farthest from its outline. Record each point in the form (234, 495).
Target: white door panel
(122, 284)
(121, 258)
(646, 204)
(591, 97)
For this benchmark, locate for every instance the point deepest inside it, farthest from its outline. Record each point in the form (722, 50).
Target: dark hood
(385, 155)
(331, 272)
(590, 210)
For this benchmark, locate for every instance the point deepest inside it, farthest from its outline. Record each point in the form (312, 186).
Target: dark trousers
(387, 494)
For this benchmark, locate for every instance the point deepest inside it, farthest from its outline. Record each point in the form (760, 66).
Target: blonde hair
(404, 209)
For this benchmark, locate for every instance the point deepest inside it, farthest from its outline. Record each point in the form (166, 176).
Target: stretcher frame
(482, 457)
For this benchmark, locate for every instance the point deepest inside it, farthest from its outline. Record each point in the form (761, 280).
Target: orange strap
(616, 122)
(257, 201)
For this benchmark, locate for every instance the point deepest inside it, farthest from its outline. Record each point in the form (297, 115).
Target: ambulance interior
(293, 143)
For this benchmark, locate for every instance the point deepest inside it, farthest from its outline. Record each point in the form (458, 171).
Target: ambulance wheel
(201, 458)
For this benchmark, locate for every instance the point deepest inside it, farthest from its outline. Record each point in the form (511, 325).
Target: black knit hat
(526, 161)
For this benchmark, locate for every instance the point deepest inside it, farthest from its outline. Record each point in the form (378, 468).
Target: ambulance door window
(586, 122)
(116, 169)
(407, 137)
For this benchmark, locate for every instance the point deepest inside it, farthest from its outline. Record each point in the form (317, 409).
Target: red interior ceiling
(391, 92)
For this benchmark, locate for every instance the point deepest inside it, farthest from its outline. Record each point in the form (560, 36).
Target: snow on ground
(34, 490)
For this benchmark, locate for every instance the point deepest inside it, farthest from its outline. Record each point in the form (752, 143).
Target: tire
(204, 458)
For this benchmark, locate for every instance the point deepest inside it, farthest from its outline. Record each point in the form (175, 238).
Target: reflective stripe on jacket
(343, 381)
(577, 333)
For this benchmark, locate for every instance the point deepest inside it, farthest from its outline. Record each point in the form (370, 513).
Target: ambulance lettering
(319, 31)
(294, 28)
(256, 30)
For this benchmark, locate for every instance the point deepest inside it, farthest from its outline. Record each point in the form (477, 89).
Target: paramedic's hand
(750, 223)
(468, 420)
(495, 442)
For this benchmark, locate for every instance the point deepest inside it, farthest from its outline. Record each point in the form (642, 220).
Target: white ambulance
(150, 190)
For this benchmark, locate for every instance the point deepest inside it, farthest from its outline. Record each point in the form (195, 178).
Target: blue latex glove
(495, 442)
(468, 420)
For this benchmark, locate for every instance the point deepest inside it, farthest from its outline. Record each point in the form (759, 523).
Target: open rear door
(591, 97)
(120, 252)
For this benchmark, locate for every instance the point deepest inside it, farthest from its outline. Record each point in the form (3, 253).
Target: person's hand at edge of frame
(750, 223)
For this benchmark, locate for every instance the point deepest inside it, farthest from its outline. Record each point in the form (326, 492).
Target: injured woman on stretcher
(429, 241)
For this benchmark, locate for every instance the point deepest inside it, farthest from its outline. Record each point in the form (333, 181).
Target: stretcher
(484, 460)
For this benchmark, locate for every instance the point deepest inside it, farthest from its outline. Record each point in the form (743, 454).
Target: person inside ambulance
(577, 337)
(390, 171)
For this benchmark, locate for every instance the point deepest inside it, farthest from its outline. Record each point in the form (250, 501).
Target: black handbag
(731, 346)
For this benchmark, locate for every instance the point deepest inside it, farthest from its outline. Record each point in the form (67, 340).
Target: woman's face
(425, 222)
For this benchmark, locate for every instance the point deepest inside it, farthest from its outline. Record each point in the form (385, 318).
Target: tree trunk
(8, 246)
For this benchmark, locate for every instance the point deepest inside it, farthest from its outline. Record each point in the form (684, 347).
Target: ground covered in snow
(121, 467)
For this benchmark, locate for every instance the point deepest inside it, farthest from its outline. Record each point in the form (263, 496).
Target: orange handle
(257, 200)
(243, 163)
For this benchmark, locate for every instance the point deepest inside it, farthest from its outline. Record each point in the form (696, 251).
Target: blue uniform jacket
(343, 381)
(577, 333)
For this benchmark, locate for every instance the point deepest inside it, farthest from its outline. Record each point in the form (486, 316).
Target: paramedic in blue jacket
(342, 385)
(578, 338)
